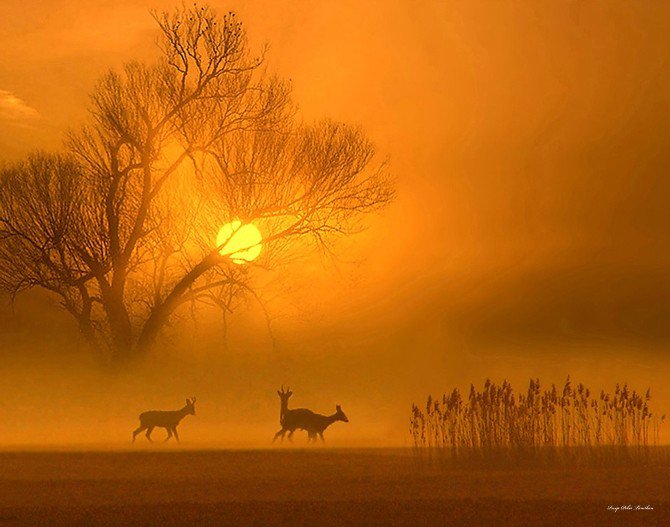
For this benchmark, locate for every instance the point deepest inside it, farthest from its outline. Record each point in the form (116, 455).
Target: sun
(242, 243)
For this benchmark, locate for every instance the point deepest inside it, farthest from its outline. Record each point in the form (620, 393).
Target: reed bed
(496, 419)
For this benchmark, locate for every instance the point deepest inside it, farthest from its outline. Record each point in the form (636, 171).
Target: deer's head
(339, 414)
(284, 395)
(190, 406)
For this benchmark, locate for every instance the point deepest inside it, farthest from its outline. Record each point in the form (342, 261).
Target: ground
(320, 487)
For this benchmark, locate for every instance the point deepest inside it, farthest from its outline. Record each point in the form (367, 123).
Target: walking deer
(168, 419)
(304, 419)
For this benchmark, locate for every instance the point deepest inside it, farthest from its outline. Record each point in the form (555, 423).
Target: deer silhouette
(304, 419)
(168, 419)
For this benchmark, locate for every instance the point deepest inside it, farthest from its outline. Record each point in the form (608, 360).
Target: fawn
(168, 419)
(303, 419)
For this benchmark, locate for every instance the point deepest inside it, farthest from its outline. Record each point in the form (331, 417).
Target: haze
(529, 237)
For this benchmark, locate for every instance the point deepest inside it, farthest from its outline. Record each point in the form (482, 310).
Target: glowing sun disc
(242, 243)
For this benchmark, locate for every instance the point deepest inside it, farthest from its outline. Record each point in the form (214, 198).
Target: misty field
(321, 486)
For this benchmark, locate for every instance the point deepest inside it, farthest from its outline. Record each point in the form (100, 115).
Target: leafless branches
(122, 226)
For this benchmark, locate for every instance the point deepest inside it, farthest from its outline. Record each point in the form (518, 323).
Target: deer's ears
(338, 408)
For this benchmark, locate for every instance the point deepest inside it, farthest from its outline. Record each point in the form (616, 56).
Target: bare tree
(122, 225)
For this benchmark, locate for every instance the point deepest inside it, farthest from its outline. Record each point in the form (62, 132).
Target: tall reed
(496, 417)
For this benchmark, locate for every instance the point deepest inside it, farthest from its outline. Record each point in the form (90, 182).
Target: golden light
(242, 243)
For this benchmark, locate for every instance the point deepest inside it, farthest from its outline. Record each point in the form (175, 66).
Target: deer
(168, 419)
(304, 419)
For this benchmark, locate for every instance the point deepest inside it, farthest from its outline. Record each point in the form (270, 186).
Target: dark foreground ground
(318, 487)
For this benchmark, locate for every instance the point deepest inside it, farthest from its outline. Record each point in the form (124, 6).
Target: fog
(529, 237)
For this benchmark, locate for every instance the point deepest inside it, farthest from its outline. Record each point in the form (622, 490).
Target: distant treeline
(496, 418)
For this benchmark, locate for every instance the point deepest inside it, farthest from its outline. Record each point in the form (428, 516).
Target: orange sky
(530, 141)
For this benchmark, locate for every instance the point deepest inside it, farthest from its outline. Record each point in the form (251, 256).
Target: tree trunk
(161, 313)
(120, 328)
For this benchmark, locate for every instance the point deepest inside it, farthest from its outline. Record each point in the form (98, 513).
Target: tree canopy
(122, 224)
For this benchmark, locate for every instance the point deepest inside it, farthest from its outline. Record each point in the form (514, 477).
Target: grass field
(321, 487)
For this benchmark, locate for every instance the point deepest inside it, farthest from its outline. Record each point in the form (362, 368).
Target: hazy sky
(531, 145)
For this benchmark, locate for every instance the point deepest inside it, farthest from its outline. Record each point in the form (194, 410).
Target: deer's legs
(321, 436)
(169, 431)
(176, 435)
(280, 433)
(135, 432)
(148, 434)
(290, 436)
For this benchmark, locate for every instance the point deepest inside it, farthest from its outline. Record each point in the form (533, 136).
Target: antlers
(287, 393)
(190, 401)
